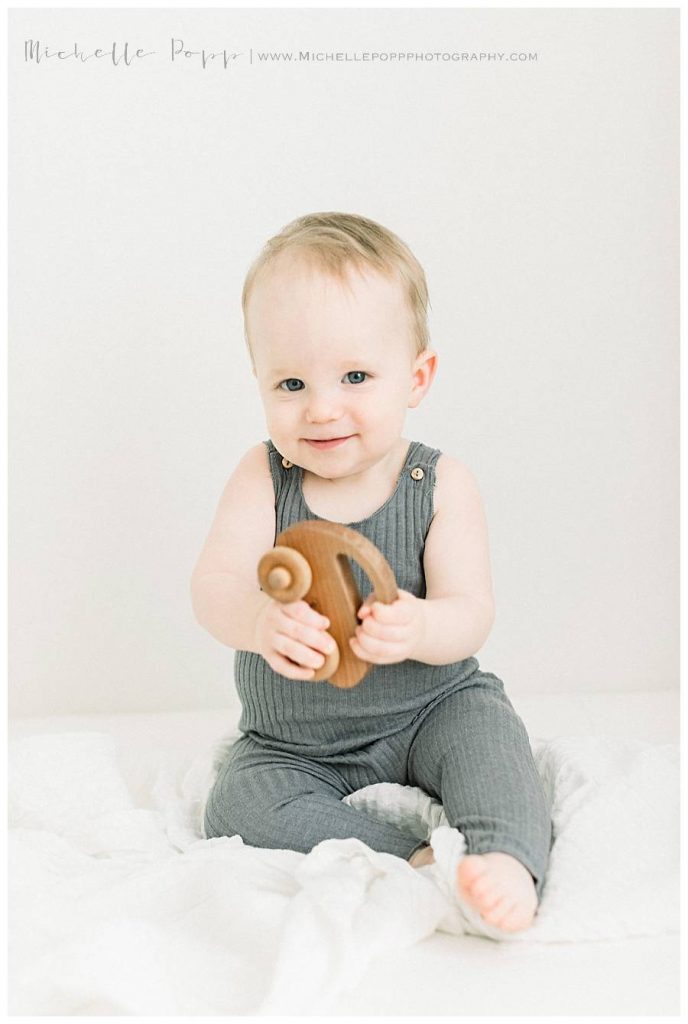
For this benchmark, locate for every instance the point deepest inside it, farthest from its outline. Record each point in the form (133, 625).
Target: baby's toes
(491, 905)
(499, 912)
(471, 870)
(474, 879)
(487, 898)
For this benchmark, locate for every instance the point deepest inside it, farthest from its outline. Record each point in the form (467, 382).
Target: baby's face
(334, 360)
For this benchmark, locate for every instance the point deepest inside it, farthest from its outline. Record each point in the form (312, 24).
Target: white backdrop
(541, 197)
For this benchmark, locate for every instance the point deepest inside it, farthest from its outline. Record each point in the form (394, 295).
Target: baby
(335, 318)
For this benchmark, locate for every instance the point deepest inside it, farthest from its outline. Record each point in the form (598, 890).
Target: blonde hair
(332, 242)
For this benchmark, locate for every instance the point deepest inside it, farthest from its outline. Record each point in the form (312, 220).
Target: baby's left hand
(389, 633)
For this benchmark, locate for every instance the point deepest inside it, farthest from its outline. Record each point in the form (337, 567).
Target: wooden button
(417, 473)
(286, 463)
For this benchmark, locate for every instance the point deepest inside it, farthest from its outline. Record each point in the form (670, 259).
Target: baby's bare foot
(500, 888)
(421, 857)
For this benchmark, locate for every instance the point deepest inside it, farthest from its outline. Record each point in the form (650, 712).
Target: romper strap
(421, 468)
(279, 468)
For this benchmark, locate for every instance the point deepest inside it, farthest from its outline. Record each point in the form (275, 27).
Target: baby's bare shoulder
(456, 487)
(456, 556)
(250, 477)
(244, 524)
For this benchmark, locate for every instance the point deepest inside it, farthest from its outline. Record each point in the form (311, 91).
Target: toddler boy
(335, 316)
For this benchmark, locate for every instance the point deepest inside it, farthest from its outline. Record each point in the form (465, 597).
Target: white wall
(542, 199)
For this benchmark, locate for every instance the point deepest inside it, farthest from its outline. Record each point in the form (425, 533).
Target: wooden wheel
(310, 561)
(285, 574)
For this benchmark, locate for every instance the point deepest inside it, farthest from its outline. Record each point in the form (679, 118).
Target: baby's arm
(459, 606)
(225, 593)
(225, 590)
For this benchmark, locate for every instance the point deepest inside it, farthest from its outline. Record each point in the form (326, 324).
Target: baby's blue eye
(291, 380)
(295, 380)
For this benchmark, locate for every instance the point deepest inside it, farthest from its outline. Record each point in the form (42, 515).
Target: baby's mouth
(329, 442)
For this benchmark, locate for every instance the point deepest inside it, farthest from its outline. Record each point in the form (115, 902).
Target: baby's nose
(323, 407)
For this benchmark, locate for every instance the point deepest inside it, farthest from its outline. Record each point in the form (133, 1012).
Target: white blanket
(119, 910)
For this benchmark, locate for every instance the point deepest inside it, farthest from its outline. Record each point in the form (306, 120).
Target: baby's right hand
(291, 636)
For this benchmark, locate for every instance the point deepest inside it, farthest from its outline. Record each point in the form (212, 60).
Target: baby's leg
(471, 752)
(278, 800)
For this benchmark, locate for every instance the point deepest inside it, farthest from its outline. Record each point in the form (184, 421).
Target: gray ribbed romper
(449, 729)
